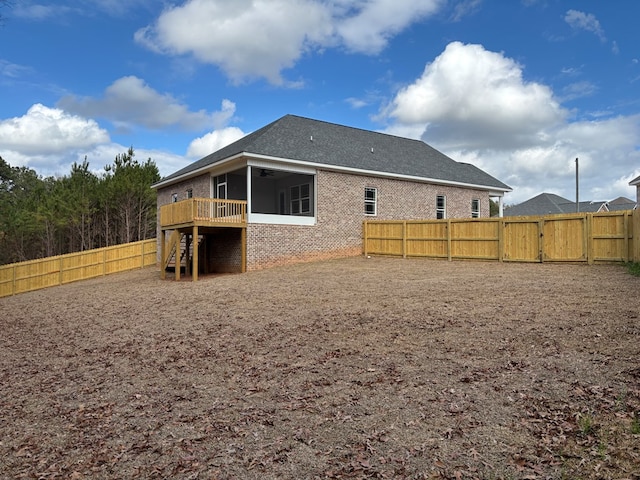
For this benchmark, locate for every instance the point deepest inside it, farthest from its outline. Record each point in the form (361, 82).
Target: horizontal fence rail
(51, 271)
(587, 237)
(204, 210)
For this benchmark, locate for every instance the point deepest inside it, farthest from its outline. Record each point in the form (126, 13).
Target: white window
(441, 206)
(190, 193)
(174, 197)
(475, 208)
(300, 199)
(220, 186)
(370, 201)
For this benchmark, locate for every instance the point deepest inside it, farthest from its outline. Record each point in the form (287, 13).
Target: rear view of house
(299, 189)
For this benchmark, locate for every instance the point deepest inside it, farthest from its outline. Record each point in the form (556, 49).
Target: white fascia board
(285, 165)
(198, 172)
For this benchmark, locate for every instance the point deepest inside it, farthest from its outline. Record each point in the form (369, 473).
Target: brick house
(299, 189)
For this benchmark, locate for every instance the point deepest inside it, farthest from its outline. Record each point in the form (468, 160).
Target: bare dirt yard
(356, 368)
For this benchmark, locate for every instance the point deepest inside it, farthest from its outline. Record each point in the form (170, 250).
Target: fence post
(449, 239)
(60, 271)
(636, 235)
(404, 239)
(500, 239)
(13, 287)
(625, 228)
(589, 238)
(365, 234)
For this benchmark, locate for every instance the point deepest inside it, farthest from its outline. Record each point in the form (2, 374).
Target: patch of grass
(634, 268)
(635, 424)
(585, 424)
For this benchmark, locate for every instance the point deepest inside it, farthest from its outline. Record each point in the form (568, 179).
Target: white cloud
(58, 12)
(483, 91)
(45, 130)
(48, 139)
(465, 8)
(245, 38)
(12, 70)
(578, 90)
(584, 21)
(213, 141)
(476, 106)
(261, 38)
(129, 101)
(368, 27)
(38, 12)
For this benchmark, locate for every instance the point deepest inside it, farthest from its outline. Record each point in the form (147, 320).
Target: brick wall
(340, 213)
(223, 250)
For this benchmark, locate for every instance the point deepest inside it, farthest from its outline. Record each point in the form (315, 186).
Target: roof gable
(327, 144)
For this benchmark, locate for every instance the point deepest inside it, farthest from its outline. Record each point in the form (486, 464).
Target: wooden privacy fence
(47, 272)
(587, 237)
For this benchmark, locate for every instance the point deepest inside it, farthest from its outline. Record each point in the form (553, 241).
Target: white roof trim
(323, 166)
(199, 171)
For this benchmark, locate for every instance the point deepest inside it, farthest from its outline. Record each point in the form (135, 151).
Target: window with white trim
(370, 201)
(190, 193)
(475, 208)
(441, 206)
(300, 199)
(174, 197)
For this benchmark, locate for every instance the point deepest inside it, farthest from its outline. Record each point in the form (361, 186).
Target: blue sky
(519, 88)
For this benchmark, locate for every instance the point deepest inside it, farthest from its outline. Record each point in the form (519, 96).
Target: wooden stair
(176, 238)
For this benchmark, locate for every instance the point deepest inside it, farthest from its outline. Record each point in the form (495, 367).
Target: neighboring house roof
(621, 203)
(635, 181)
(322, 144)
(550, 204)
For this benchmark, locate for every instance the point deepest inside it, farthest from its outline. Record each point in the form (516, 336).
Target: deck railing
(204, 211)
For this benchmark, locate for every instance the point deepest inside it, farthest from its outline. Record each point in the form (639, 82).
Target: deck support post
(194, 267)
(163, 253)
(178, 259)
(187, 254)
(243, 250)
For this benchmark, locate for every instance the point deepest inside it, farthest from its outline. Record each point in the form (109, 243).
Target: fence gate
(564, 239)
(522, 240)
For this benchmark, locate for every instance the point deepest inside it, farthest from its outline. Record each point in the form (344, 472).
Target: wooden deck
(203, 212)
(186, 217)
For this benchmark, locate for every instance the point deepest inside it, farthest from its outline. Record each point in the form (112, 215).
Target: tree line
(41, 217)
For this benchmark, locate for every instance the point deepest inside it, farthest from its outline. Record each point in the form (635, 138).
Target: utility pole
(577, 196)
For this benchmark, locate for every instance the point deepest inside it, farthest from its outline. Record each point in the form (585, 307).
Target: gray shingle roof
(550, 204)
(332, 145)
(621, 203)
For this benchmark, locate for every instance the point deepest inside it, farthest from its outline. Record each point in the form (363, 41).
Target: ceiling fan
(266, 173)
